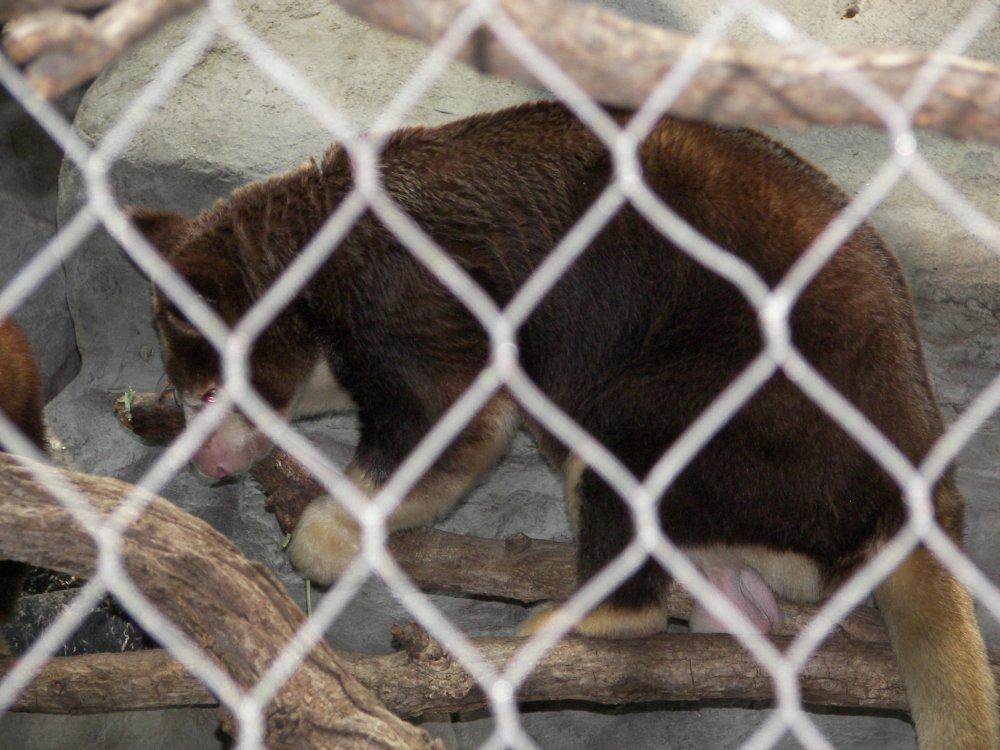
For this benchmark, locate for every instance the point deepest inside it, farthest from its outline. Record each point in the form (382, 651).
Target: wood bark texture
(423, 678)
(620, 62)
(235, 610)
(615, 60)
(181, 564)
(61, 49)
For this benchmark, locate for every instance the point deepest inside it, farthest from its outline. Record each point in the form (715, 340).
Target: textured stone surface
(29, 168)
(227, 123)
(172, 729)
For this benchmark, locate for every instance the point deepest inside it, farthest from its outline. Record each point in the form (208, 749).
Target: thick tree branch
(619, 62)
(518, 568)
(663, 668)
(98, 683)
(241, 616)
(236, 611)
(15, 8)
(62, 49)
(422, 678)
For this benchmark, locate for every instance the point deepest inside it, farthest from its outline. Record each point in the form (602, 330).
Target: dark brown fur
(634, 342)
(21, 401)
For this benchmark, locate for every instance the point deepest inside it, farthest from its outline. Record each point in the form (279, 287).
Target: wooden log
(423, 678)
(98, 683)
(240, 615)
(235, 610)
(62, 49)
(518, 568)
(617, 61)
(15, 8)
(620, 62)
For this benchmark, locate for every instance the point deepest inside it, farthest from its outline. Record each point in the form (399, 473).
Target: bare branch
(663, 668)
(423, 678)
(518, 568)
(616, 60)
(619, 62)
(98, 683)
(63, 50)
(530, 570)
(181, 564)
(15, 8)
(155, 417)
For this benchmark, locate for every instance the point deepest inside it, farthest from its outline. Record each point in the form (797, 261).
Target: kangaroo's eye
(210, 395)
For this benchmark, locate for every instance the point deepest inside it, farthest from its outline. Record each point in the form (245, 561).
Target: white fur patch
(321, 393)
(325, 541)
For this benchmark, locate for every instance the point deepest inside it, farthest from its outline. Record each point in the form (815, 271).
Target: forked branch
(235, 610)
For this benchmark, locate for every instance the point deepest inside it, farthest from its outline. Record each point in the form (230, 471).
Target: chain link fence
(903, 161)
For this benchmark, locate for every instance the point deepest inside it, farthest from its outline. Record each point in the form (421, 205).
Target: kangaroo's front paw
(325, 541)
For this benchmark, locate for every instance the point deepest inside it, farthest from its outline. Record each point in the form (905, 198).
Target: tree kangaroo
(633, 343)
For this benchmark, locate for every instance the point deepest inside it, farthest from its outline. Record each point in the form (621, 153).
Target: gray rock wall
(227, 123)
(29, 170)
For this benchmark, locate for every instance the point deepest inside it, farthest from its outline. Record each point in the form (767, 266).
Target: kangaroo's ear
(161, 228)
(217, 283)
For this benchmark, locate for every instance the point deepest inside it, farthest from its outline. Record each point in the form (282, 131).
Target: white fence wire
(223, 19)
